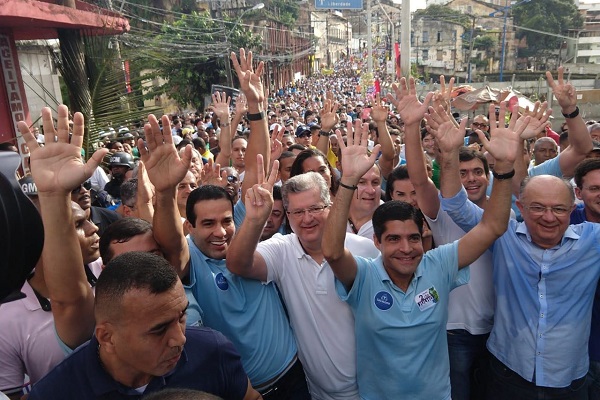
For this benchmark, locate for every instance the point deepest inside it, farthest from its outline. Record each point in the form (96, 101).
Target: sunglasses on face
(87, 185)
(232, 179)
(479, 124)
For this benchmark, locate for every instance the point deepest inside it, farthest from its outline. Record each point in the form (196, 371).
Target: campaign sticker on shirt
(384, 300)
(221, 281)
(427, 299)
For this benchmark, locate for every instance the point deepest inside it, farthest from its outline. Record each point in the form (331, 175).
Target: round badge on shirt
(221, 281)
(384, 300)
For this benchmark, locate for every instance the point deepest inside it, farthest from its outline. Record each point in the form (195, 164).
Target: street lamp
(505, 11)
(237, 21)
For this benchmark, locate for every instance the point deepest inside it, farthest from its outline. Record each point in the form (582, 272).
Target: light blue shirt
(402, 351)
(543, 297)
(548, 167)
(247, 312)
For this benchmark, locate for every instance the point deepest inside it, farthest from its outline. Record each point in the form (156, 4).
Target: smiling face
(428, 143)
(308, 226)
(368, 195)
(214, 227)
(404, 191)
(590, 194)
(474, 180)
(184, 188)
(401, 250)
(319, 165)
(546, 229)
(148, 339)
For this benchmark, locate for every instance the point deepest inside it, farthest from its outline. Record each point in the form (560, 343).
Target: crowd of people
(315, 244)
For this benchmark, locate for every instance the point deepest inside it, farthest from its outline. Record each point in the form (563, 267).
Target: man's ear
(105, 335)
(578, 193)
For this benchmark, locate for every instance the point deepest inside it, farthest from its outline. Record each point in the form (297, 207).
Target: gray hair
(129, 192)
(302, 183)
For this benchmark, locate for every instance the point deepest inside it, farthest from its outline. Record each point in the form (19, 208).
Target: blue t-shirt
(209, 363)
(247, 312)
(401, 336)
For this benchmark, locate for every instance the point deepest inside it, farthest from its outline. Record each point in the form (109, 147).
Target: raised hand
(57, 167)
(259, 198)
(505, 143)
(379, 113)
(276, 145)
(448, 136)
(241, 106)
(564, 92)
(328, 113)
(211, 174)
(250, 79)
(538, 121)
(442, 97)
(407, 104)
(220, 106)
(356, 159)
(164, 166)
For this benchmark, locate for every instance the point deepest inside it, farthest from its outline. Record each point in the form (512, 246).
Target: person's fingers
(62, 124)
(550, 80)
(442, 84)
(167, 137)
(48, 124)
(260, 169)
(152, 131)
(186, 156)
(492, 114)
(94, 161)
(78, 129)
(274, 173)
(27, 135)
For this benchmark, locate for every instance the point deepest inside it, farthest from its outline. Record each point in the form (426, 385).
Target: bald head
(546, 185)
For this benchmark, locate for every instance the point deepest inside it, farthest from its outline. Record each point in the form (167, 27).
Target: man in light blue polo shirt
(545, 275)
(400, 299)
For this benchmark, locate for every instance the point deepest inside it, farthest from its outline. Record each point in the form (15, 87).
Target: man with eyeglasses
(480, 122)
(322, 323)
(545, 276)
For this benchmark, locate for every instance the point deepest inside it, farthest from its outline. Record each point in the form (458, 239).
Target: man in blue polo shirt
(545, 276)
(400, 299)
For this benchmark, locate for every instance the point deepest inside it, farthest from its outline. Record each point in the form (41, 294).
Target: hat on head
(302, 130)
(314, 126)
(273, 127)
(289, 122)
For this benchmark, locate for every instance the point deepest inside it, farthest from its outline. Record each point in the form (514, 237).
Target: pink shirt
(28, 342)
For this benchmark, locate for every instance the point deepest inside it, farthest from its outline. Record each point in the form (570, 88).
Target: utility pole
(405, 43)
(369, 39)
(470, 54)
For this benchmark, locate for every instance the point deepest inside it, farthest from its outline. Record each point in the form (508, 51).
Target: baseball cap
(302, 130)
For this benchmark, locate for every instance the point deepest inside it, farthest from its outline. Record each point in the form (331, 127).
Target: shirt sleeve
(462, 211)
(239, 213)
(353, 296)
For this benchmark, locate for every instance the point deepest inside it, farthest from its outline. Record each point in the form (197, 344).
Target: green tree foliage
(485, 43)
(446, 14)
(190, 54)
(285, 11)
(553, 16)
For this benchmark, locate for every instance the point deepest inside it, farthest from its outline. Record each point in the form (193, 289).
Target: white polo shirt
(322, 323)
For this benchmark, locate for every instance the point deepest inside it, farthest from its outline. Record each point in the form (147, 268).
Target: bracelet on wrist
(349, 187)
(256, 117)
(573, 114)
(501, 177)
(225, 124)
(325, 133)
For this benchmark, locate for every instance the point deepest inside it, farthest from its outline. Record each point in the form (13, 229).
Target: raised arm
(505, 147)
(355, 163)
(242, 257)
(57, 168)
(411, 111)
(220, 106)
(165, 170)
(379, 114)
(449, 139)
(580, 142)
(329, 118)
(258, 142)
(145, 194)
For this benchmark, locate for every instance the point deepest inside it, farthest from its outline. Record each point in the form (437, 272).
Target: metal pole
(405, 41)
(369, 39)
(503, 43)
(470, 48)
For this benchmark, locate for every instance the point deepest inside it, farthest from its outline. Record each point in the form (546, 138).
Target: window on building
(425, 36)
(425, 54)
(440, 55)
(439, 36)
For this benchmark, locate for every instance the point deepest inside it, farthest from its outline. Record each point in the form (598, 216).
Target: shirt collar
(383, 275)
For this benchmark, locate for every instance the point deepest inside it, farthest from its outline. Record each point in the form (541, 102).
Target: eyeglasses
(541, 210)
(592, 189)
(232, 178)
(87, 185)
(316, 210)
(479, 124)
